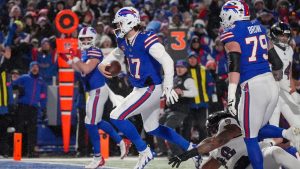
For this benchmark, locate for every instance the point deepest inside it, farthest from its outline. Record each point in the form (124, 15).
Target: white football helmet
(86, 32)
(232, 11)
(126, 18)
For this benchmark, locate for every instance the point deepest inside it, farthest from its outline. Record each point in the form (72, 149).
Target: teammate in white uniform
(288, 97)
(227, 148)
(94, 84)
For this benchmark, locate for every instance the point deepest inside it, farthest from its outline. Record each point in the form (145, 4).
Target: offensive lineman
(249, 53)
(94, 84)
(145, 57)
(227, 148)
(288, 103)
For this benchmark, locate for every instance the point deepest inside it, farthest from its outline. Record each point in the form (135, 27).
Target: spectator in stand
(173, 117)
(221, 71)
(6, 99)
(195, 123)
(30, 101)
(201, 54)
(47, 60)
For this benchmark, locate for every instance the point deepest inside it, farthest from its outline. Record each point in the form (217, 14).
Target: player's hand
(101, 68)
(175, 161)
(277, 74)
(231, 106)
(178, 91)
(170, 94)
(66, 58)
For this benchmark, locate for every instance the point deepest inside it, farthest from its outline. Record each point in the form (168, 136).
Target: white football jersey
(231, 152)
(286, 57)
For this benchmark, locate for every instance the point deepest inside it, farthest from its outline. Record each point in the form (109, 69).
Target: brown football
(114, 68)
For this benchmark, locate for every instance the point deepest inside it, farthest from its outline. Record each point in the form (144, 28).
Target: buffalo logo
(124, 12)
(230, 6)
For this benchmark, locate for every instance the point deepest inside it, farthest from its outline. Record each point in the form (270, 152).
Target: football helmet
(278, 29)
(87, 32)
(126, 18)
(212, 122)
(232, 11)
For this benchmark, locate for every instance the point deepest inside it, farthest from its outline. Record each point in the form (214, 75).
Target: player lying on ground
(227, 147)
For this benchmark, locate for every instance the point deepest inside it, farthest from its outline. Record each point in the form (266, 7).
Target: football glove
(170, 94)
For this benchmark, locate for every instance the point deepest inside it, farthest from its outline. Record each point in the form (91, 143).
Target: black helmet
(212, 122)
(280, 28)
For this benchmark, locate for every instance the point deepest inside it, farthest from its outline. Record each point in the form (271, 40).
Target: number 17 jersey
(252, 38)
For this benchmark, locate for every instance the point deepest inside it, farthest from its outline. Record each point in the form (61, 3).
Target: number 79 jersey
(252, 38)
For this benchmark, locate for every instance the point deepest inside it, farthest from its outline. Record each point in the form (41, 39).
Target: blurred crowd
(28, 57)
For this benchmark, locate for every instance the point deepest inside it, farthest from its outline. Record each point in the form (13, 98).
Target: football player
(288, 105)
(145, 56)
(227, 148)
(249, 53)
(94, 84)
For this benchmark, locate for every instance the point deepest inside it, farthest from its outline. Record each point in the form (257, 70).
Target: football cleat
(125, 145)
(144, 158)
(97, 162)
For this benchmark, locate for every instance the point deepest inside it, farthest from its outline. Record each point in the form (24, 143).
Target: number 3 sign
(178, 43)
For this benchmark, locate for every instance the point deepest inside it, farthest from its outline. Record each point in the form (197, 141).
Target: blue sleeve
(210, 83)
(228, 35)
(95, 54)
(9, 39)
(150, 39)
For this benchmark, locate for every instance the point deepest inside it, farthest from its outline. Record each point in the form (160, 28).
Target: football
(114, 68)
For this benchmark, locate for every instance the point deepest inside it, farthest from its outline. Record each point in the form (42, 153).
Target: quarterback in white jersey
(288, 103)
(227, 147)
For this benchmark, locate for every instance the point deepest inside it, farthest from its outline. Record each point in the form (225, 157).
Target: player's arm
(275, 61)
(211, 163)
(115, 54)
(231, 131)
(233, 50)
(86, 67)
(158, 52)
(207, 145)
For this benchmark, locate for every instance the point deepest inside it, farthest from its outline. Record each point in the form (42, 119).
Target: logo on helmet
(125, 12)
(230, 6)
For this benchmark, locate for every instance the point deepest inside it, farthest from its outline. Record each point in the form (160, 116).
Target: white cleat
(293, 134)
(97, 162)
(197, 159)
(125, 145)
(144, 158)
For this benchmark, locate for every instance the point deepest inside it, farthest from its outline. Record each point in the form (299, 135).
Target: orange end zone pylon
(104, 144)
(17, 146)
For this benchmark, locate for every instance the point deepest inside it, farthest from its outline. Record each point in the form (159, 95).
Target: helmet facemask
(87, 38)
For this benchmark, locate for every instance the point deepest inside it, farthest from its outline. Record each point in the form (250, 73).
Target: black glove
(277, 74)
(175, 161)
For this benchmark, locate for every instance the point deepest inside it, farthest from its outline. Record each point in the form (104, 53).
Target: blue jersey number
(262, 41)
